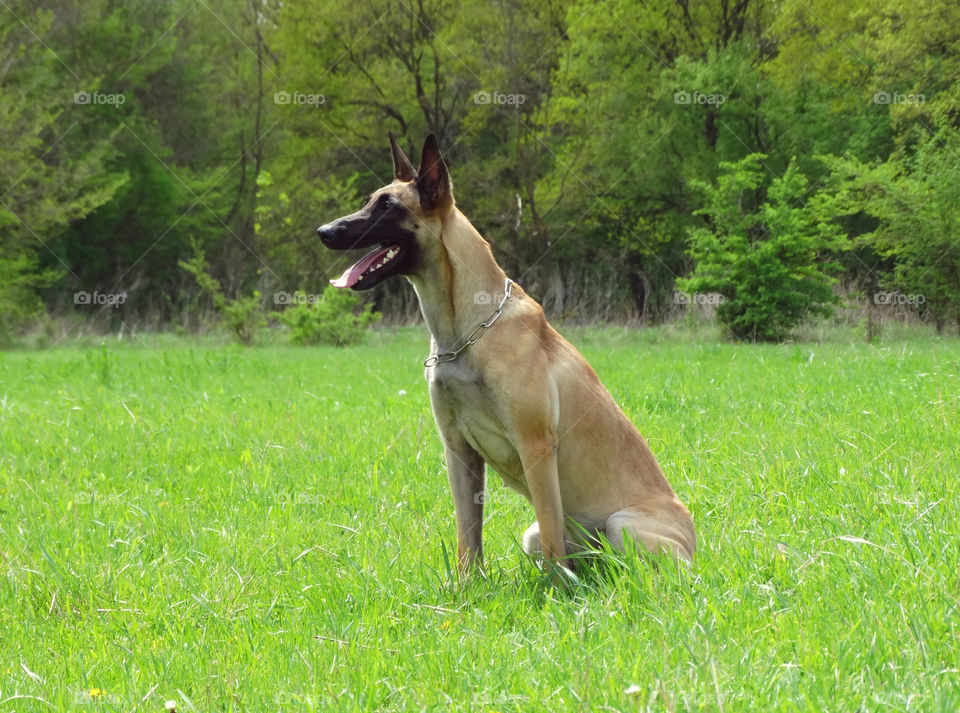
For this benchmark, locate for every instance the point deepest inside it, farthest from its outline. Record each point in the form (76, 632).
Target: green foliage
(766, 250)
(913, 199)
(198, 266)
(284, 209)
(53, 168)
(19, 304)
(335, 317)
(245, 128)
(243, 316)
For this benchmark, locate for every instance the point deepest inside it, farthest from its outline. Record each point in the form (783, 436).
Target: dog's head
(402, 220)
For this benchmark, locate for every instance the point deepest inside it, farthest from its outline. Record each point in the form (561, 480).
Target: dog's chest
(468, 403)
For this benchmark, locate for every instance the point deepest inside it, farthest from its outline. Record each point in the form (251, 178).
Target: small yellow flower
(96, 692)
(445, 625)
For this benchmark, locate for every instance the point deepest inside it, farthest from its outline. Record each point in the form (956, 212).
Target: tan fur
(526, 403)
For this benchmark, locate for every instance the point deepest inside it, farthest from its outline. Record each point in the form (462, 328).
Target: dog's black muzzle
(347, 233)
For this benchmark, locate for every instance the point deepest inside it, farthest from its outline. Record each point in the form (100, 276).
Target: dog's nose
(331, 231)
(328, 232)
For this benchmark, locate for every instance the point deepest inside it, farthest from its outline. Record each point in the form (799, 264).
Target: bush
(764, 251)
(243, 315)
(335, 318)
(912, 199)
(19, 304)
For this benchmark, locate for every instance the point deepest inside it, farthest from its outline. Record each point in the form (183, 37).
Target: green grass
(269, 529)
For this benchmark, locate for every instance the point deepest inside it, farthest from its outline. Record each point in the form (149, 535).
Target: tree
(648, 97)
(51, 172)
(912, 199)
(765, 250)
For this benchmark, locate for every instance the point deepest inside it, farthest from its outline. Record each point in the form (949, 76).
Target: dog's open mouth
(368, 266)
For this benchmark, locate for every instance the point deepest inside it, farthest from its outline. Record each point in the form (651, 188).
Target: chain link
(477, 331)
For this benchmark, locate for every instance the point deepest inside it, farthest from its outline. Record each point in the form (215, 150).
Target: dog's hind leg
(668, 529)
(531, 541)
(571, 545)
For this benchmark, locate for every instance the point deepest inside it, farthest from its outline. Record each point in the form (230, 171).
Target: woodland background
(625, 159)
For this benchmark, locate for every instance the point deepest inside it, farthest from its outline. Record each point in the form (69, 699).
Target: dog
(506, 389)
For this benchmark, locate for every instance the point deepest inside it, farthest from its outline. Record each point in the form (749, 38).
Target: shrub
(764, 251)
(19, 304)
(912, 199)
(243, 315)
(335, 318)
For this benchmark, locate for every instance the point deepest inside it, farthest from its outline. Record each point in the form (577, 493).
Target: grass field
(269, 529)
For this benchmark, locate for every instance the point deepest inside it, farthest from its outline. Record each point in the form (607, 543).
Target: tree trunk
(640, 292)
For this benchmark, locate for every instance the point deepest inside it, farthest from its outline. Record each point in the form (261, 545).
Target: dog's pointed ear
(433, 179)
(403, 170)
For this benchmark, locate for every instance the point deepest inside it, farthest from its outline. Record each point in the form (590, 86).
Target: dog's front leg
(533, 418)
(539, 458)
(465, 471)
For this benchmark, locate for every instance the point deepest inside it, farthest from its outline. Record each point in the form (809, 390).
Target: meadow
(269, 529)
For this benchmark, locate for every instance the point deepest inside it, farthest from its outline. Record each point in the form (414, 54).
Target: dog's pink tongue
(352, 274)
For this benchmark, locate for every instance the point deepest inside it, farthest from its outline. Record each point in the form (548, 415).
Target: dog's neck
(463, 287)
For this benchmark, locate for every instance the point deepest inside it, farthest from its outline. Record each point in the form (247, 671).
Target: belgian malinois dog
(506, 389)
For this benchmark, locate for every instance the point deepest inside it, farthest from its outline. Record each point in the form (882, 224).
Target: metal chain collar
(477, 331)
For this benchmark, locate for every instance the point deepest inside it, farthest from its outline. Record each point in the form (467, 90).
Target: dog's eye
(386, 201)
